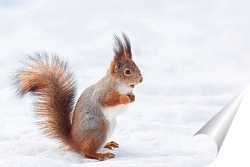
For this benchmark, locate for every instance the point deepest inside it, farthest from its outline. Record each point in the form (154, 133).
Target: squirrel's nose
(140, 79)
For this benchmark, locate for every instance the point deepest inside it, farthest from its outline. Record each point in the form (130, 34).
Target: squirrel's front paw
(131, 97)
(111, 145)
(124, 99)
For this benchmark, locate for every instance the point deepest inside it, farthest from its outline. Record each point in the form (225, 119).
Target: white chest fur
(124, 89)
(111, 114)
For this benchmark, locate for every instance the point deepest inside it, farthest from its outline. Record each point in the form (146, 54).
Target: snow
(194, 56)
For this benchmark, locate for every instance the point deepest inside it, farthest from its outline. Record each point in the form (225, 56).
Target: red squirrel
(94, 115)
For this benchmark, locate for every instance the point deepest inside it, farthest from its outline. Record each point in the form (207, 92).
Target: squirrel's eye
(127, 72)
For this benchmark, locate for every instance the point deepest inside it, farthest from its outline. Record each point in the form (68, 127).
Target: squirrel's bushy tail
(54, 88)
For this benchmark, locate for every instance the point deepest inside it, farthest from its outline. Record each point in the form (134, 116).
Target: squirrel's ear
(122, 50)
(117, 66)
(127, 47)
(119, 57)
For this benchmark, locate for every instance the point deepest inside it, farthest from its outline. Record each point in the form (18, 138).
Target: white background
(194, 56)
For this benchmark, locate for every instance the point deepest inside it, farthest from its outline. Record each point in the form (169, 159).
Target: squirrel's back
(50, 80)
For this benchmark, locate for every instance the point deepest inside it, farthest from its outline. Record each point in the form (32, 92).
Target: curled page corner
(218, 126)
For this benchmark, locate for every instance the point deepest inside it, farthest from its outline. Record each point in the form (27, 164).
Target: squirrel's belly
(111, 114)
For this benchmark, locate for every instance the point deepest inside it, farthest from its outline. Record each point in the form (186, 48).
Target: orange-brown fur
(50, 80)
(114, 98)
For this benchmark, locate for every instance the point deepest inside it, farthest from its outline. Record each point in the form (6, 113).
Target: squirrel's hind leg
(93, 140)
(90, 148)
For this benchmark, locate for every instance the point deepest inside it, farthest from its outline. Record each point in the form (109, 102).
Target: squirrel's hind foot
(107, 155)
(100, 156)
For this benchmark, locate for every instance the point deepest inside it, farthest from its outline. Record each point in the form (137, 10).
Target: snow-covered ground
(194, 56)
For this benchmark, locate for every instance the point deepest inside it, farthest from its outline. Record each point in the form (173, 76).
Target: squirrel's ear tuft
(127, 46)
(122, 49)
